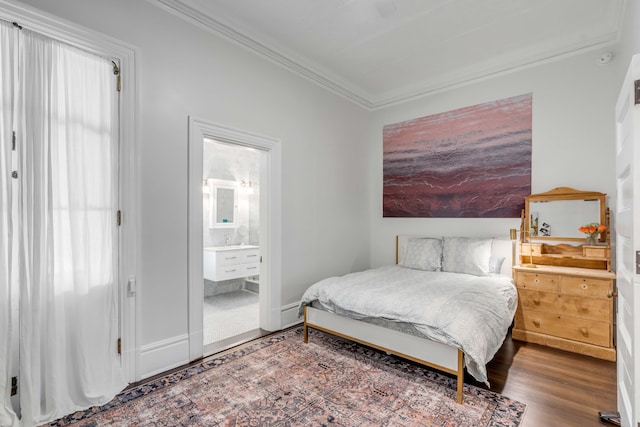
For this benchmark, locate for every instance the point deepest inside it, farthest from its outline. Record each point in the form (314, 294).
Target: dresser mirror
(557, 214)
(550, 232)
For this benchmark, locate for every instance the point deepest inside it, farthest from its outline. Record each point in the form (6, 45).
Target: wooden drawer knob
(584, 331)
(611, 294)
(536, 323)
(536, 301)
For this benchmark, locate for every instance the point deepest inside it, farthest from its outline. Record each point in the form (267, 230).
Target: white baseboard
(164, 355)
(161, 356)
(289, 315)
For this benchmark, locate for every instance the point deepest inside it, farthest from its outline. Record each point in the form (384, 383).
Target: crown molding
(489, 70)
(325, 79)
(220, 29)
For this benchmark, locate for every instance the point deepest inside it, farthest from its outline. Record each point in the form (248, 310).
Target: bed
(447, 303)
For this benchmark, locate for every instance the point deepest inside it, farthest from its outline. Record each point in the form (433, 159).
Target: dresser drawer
(586, 308)
(595, 251)
(571, 305)
(537, 300)
(586, 287)
(537, 282)
(573, 328)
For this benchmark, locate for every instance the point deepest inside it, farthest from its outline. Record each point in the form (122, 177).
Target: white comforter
(468, 312)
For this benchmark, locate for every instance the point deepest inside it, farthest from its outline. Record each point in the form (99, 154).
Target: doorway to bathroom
(234, 248)
(231, 244)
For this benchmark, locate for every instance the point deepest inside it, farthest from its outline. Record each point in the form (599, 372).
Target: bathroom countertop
(230, 248)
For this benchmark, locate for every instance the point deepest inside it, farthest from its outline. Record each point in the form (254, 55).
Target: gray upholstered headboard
(501, 247)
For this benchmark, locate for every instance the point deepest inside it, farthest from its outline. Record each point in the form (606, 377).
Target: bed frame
(421, 350)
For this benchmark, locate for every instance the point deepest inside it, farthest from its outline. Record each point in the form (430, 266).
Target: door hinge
(116, 71)
(119, 218)
(636, 91)
(119, 346)
(14, 386)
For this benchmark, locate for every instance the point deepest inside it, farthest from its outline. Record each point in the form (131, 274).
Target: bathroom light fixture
(205, 187)
(247, 186)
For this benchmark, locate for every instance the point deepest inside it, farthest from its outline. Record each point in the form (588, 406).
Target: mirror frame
(215, 184)
(563, 193)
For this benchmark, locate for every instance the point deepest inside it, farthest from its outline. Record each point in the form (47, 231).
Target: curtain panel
(8, 242)
(65, 119)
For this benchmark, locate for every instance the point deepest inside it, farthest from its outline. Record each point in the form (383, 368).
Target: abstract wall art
(473, 162)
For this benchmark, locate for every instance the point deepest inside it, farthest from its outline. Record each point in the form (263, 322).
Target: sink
(230, 248)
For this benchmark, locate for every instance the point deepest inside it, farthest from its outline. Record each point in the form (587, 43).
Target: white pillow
(423, 254)
(466, 255)
(495, 264)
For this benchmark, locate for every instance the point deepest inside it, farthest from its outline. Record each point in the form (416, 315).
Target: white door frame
(627, 116)
(270, 225)
(128, 178)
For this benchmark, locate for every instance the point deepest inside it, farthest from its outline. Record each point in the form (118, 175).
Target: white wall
(573, 141)
(630, 40)
(184, 70)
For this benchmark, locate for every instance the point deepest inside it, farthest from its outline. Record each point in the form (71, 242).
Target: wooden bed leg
(305, 328)
(460, 375)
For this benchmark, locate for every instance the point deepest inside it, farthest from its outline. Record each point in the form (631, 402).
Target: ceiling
(380, 52)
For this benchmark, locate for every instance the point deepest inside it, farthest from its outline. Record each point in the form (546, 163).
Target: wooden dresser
(566, 289)
(566, 308)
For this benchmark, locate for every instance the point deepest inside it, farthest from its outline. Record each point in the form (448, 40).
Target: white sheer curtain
(67, 176)
(8, 272)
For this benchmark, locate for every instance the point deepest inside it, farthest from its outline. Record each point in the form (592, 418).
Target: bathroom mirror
(223, 208)
(557, 214)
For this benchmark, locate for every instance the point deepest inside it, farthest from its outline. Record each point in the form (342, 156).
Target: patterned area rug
(280, 381)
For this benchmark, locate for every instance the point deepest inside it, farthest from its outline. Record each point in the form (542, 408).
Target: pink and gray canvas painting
(473, 162)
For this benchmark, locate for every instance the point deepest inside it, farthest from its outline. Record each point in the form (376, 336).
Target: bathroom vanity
(231, 262)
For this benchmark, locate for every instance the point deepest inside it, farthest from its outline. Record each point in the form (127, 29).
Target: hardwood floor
(559, 388)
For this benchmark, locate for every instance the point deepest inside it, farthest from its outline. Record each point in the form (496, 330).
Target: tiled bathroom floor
(230, 314)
